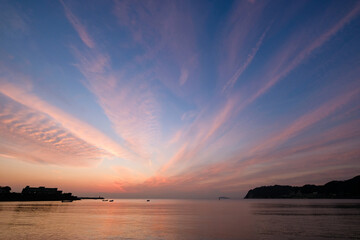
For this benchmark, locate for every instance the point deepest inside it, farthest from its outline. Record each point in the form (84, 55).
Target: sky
(178, 99)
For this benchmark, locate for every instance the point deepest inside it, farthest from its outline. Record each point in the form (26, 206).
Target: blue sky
(178, 98)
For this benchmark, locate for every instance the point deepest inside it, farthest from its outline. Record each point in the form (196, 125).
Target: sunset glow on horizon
(178, 99)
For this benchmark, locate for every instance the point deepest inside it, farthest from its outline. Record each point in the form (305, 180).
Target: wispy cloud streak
(128, 103)
(79, 27)
(77, 127)
(290, 62)
(243, 67)
(306, 121)
(27, 134)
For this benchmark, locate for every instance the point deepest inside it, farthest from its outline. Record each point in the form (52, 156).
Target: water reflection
(181, 219)
(304, 208)
(35, 208)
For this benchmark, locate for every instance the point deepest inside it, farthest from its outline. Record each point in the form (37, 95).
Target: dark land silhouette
(35, 194)
(223, 198)
(348, 189)
(91, 197)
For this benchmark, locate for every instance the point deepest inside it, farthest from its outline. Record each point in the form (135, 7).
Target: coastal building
(36, 194)
(43, 191)
(5, 190)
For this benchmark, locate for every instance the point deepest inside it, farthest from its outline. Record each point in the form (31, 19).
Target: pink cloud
(306, 121)
(244, 66)
(130, 105)
(184, 75)
(79, 27)
(201, 132)
(32, 136)
(333, 149)
(237, 38)
(78, 128)
(167, 34)
(285, 62)
(324, 150)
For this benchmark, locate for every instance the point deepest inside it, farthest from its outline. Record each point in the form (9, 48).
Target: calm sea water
(181, 219)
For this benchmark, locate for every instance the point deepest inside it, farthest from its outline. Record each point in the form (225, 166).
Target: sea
(251, 219)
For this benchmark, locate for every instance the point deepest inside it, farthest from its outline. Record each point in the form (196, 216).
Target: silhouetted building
(5, 190)
(35, 194)
(41, 191)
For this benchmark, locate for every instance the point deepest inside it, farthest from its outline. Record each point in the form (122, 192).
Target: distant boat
(67, 200)
(105, 200)
(111, 200)
(148, 200)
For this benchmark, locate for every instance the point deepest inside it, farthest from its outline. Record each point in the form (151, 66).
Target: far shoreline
(348, 189)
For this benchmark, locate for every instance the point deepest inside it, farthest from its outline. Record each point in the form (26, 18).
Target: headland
(348, 189)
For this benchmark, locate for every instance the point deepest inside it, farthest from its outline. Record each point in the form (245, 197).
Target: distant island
(36, 194)
(348, 189)
(223, 198)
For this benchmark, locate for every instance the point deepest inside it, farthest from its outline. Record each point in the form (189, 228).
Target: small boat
(111, 200)
(148, 200)
(66, 200)
(105, 200)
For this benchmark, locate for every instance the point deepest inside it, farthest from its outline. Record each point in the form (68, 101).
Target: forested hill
(334, 189)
